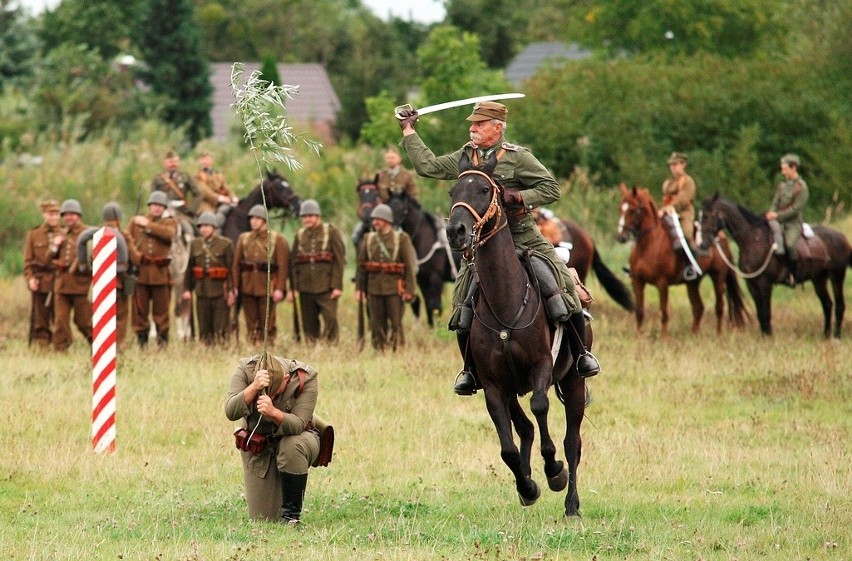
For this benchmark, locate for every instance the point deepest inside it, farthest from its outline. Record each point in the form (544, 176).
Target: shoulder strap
(172, 186)
(324, 236)
(369, 241)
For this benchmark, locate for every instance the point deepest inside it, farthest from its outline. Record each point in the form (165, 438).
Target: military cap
(310, 207)
(171, 154)
(207, 218)
(50, 205)
(71, 205)
(111, 212)
(677, 157)
(487, 110)
(382, 212)
(791, 160)
(158, 198)
(258, 211)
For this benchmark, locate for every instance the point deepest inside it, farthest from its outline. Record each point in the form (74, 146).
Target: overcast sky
(425, 11)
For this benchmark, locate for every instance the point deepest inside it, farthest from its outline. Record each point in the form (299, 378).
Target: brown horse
(761, 268)
(654, 261)
(511, 340)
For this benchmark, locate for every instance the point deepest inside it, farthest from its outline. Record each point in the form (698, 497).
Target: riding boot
(466, 381)
(790, 280)
(587, 364)
(293, 495)
(142, 339)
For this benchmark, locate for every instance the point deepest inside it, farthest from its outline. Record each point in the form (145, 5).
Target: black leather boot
(791, 272)
(142, 339)
(587, 364)
(293, 494)
(466, 382)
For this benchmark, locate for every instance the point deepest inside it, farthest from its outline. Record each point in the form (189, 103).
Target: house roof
(534, 55)
(316, 102)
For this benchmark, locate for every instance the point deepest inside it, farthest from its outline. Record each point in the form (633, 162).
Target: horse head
(637, 213)
(368, 197)
(711, 218)
(279, 194)
(400, 204)
(477, 211)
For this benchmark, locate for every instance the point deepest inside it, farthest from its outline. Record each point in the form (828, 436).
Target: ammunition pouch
(247, 442)
(214, 273)
(318, 257)
(258, 266)
(386, 268)
(59, 265)
(39, 267)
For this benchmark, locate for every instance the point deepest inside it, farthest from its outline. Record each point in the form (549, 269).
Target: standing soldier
(40, 248)
(785, 213)
(208, 273)
(151, 237)
(317, 262)
(395, 179)
(71, 288)
(180, 189)
(112, 220)
(259, 251)
(216, 197)
(387, 266)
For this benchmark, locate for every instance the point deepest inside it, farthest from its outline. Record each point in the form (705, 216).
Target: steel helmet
(207, 218)
(71, 205)
(112, 212)
(310, 207)
(158, 198)
(382, 212)
(258, 211)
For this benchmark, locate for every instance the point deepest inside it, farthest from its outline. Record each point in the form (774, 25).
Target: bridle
(284, 194)
(636, 211)
(366, 190)
(494, 210)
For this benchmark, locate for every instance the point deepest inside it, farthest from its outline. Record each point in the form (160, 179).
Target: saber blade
(457, 103)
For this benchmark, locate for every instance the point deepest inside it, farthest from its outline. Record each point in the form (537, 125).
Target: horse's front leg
(697, 304)
(499, 404)
(557, 477)
(663, 289)
(639, 298)
(761, 292)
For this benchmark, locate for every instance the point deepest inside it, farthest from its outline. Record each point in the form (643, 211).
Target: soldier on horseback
(679, 204)
(526, 184)
(785, 213)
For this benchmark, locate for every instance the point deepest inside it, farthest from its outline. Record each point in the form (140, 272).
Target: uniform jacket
(151, 246)
(789, 202)
(298, 409)
(680, 193)
(39, 255)
(178, 186)
(250, 260)
(398, 250)
(211, 184)
(400, 182)
(69, 278)
(318, 259)
(218, 253)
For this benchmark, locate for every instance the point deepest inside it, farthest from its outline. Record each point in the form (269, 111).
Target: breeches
(386, 321)
(315, 307)
(254, 308)
(64, 304)
(41, 332)
(154, 300)
(212, 318)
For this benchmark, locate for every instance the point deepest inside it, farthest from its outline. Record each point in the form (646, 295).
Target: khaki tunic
(679, 192)
(211, 185)
(153, 244)
(318, 259)
(518, 170)
(178, 186)
(38, 264)
(397, 181)
(71, 291)
(210, 305)
(789, 202)
(250, 260)
(298, 446)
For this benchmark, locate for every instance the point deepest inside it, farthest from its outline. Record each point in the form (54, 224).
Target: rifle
(297, 331)
(32, 322)
(360, 325)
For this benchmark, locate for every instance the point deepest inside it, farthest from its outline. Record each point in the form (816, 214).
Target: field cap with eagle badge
(487, 110)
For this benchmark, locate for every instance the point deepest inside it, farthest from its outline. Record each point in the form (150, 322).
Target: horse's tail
(614, 287)
(737, 313)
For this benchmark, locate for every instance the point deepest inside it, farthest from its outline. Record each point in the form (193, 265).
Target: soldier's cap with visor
(71, 205)
(258, 211)
(111, 212)
(207, 219)
(791, 160)
(158, 198)
(487, 110)
(310, 208)
(382, 212)
(677, 157)
(50, 205)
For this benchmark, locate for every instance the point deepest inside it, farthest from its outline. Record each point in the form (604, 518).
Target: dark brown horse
(761, 268)
(654, 261)
(368, 198)
(511, 340)
(279, 195)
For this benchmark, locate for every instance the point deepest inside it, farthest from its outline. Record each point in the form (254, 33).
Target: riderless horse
(824, 256)
(514, 346)
(654, 261)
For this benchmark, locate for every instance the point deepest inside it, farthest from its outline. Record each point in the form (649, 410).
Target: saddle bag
(583, 293)
(326, 434)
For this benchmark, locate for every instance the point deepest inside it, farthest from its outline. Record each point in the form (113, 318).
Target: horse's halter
(285, 200)
(635, 214)
(494, 210)
(365, 189)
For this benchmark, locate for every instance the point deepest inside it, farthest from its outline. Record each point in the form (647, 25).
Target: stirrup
(588, 365)
(465, 383)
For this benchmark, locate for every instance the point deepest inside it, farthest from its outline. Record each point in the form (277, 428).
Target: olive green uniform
(679, 192)
(789, 202)
(179, 186)
(71, 291)
(39, 253)
(209, 275)
(517, 169)
(293, 446)
(397, 180)
(387, 265)
(250, 266)
(211, 184)
(150, 249)
(317, 261)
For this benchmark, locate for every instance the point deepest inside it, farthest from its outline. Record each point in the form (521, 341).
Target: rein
(737, 270)
(494, 210)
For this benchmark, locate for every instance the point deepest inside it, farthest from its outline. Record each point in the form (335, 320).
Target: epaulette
(511, 147)
(296, 365)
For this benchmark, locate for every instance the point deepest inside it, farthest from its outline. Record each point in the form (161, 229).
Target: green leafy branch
(261, 106)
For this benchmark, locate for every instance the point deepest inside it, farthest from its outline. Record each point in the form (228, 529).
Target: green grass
(728, 448)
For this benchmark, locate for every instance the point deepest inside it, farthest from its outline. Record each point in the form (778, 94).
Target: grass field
(703, 448)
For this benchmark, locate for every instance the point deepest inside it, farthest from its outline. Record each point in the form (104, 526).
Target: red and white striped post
(104, 257)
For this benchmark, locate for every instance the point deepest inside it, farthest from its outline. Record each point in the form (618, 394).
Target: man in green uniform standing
(785, 213)
(387, 266)
(526, 185)
(317, 262)
(208, 273)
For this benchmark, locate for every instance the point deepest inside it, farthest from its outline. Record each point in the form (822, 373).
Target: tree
(177, 67)
(19, 44)
(102, 25)
(269, 70)
(500, 24)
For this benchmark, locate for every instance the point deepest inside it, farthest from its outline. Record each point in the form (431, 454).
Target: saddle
(812, 249)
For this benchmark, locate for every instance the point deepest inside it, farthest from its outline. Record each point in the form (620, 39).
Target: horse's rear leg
(500, 406)
(821, 289)
(839, 301)
(574, 392)
(557, 477)
(697, 305)
(639, 298)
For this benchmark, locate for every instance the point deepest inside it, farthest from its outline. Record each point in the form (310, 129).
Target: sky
(424, 11)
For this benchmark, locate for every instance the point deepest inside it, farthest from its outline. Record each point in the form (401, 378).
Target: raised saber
(456, 103)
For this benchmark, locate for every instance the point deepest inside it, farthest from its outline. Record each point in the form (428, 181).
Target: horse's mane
(643, 193)
(751, 217)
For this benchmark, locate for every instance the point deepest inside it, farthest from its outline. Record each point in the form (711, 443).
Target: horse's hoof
(574, 514)
(558, 481)
(530, 501)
